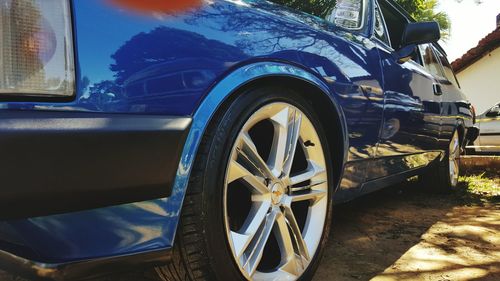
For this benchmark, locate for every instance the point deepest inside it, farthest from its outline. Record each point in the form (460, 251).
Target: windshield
(348, 14)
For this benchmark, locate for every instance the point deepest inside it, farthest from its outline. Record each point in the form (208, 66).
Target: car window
(380, 30)
(347, 14)
(431, 62)
(494, 111)
(448, 72)
(395, 23)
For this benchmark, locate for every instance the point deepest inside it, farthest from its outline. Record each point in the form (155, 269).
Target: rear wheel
(444, 176)
(259, 203)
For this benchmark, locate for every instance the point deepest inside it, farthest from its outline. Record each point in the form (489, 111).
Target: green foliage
(421, 10)
(425, 10)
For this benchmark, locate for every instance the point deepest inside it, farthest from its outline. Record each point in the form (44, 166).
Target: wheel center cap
(277, 192)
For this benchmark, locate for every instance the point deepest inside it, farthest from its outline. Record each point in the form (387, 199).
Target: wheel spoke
(307, 187)
(313, 170)
(456, 170)
(237, 171)
(284, 239)
(297, 234)
(253, 253)
(249, 153)
(453, 152)
(292, 139)
(291, 262)
(287, 124)
(311, 195)
(454, 146)
(253, 223)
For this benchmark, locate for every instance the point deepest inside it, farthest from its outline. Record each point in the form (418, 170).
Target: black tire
(201, 251)
(438, 178)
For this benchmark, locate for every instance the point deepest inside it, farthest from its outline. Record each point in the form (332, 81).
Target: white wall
(481, 81)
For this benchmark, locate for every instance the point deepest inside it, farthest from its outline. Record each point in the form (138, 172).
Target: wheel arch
(310, 86)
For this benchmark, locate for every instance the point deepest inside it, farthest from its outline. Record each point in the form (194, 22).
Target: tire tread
(189, 259)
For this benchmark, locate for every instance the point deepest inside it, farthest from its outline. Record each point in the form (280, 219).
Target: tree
(425, 10)
(420, 10)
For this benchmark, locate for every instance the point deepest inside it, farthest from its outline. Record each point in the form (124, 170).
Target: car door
(411, 119)
(489, 134)
(454, 106)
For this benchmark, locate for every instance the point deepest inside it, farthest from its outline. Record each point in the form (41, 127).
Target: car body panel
(187, 65)
(488, 140)
(136, 227)
(411, 116)
(455, 113)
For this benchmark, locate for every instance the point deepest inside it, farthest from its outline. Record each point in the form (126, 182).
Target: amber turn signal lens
(36, 50)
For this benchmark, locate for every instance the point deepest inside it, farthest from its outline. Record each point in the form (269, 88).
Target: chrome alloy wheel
(275, 194)
(453, 158)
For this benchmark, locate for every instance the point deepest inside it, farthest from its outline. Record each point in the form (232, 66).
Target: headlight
(36, 49)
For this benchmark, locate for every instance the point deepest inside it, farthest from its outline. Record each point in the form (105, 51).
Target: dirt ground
(403, 233)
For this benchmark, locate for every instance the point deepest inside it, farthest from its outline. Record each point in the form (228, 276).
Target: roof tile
(485, 45)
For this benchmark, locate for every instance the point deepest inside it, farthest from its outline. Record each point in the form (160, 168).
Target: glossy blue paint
(188, 64)
(141, 226)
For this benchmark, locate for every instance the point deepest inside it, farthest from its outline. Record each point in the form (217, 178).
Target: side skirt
(374, 185)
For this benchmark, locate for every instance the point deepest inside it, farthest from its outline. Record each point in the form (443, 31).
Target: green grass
(483, 184)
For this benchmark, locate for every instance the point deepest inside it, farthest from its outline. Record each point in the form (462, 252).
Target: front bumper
(60, 162)
(87, 193)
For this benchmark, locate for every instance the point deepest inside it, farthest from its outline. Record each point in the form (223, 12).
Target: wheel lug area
(278, 192)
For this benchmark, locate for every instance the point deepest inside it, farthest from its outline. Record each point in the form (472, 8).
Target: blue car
(209, 140)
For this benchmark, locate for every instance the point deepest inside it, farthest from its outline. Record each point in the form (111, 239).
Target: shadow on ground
(404, 233)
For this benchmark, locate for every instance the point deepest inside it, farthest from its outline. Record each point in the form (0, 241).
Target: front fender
(223, 90)
(139, 227)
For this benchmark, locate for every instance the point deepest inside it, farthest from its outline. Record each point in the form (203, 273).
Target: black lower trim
(58, 162)
(82, 269)
(380, 183)
(490, 134)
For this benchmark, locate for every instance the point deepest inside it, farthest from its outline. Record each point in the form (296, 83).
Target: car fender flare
(219, 93)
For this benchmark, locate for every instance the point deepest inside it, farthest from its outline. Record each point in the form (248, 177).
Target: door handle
(437, 89)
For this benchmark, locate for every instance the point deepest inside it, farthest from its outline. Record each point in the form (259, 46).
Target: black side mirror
(494, 112)
(417, 33)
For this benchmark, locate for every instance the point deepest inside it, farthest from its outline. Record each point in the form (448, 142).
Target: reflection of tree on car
(165, 81)
(144, 73)
(149, 49)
